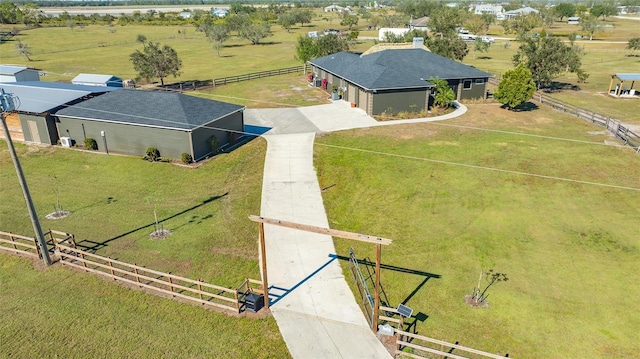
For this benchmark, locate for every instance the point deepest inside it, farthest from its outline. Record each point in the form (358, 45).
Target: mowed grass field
(456, 200)
(55, 311)
(604, 56)
(570, 249)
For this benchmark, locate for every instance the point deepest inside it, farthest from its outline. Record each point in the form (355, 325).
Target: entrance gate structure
(378, 241)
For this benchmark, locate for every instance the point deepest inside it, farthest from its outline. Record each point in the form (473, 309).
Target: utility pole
(7, 105)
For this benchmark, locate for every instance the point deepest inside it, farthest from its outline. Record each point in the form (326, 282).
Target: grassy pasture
(604, 56)
(570, 249)
(112, 200)
(56, 312)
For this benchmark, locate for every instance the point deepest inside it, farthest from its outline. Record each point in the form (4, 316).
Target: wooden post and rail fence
(166, 284)
(198, 85)
(612, 125)
(411, 345)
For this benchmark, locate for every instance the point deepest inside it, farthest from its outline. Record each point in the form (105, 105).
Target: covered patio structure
(620, 89)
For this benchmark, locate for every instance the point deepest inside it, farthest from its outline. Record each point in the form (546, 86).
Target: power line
(478, 167)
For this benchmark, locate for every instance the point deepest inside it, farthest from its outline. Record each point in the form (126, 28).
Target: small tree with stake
(478, 297)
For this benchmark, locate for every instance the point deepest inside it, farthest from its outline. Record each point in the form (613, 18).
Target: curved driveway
(316, 312)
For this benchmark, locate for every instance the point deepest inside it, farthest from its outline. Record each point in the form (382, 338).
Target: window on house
(466, 85)
(479, 81)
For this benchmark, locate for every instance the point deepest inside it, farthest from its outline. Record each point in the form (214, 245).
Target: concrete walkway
(316, 312)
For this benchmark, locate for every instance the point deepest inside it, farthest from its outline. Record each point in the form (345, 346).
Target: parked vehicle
(488, 39)
(467, 36)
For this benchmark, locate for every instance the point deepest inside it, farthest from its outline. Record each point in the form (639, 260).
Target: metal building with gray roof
(130, 121)
(396, 80)
(36, 102)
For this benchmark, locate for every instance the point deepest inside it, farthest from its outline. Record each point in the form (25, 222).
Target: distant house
(333, 8)
(130, 121)
(97, 80)
(10, 73)
(420, 23)
(395, 80)
(185, 14)
(522, 11)
(33, 121)
(487, 9)
(220, 12)
(574, 20)
(398, 31)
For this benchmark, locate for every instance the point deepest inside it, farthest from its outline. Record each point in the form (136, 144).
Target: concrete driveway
(316, 312)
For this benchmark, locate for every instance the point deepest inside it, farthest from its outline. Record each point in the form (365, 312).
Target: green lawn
(604, 56)
(570, 249)
(60, 313)
(112, 201)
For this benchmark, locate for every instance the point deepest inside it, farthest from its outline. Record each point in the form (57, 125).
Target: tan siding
(15, 129)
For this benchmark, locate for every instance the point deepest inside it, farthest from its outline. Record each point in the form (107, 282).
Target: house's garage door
(362, 100)
(352, 94)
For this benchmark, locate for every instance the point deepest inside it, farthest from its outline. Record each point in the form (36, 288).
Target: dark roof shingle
(395, 68)
(151, 108)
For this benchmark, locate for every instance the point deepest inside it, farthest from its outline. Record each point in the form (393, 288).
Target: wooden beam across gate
(322, 230)
(378, 241)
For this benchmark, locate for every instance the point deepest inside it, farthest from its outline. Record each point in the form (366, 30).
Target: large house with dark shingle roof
(396, 80)
(130, 121)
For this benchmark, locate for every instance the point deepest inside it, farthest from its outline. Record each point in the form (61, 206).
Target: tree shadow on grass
(560, 86)
(91, 246)
(527, 106)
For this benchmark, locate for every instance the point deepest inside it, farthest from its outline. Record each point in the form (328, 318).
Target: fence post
(13, 240)
(135, 270)
(111, 269)
(170, 283)
(199, 289)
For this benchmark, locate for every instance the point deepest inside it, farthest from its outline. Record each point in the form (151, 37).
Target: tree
(330, 44)
(603, 10)
(488, 20)
(237, 22)
(479, 296)
(10, 13)
(155, 61)
(443, 94)
(349, 20)
(256, 32)
(564, 9)
(32, 15)
(634, 45)
(306, 49)
(475, 24)
(590, 25)
(480, 46)
(218, 34)
(445, 20)
(302, 16)
(521, 25)
(23, 50)
(451, 47)
(547, 57)
(516, 87)
(286, 20)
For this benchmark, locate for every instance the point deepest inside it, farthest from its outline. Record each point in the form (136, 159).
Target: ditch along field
(456, 197)
(60, 312)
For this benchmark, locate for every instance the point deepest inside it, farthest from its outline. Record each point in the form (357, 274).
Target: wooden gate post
(263, 253)
(376, 295)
